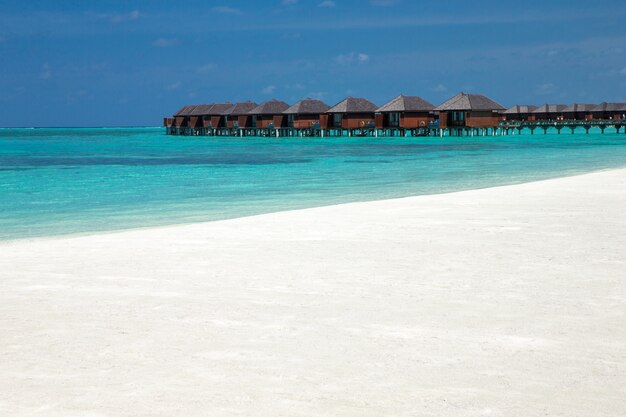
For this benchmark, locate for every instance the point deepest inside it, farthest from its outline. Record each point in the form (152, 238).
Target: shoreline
(9, 241)
(506, 300)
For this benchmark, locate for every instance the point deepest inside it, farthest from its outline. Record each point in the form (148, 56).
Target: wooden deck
(303, 133)
(433, 129)
(573, 125)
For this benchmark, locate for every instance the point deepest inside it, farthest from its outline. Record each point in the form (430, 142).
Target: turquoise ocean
(68, 181)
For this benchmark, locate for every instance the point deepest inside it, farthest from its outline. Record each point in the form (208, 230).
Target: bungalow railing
(564, 123)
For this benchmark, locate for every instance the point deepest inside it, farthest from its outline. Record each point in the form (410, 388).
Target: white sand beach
(507, 301)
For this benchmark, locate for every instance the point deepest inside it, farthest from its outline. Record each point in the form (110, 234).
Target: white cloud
(164, 42)
(545, 89)
(206, 68)
(296, 86)
(319, 95)
(327, 4)
(46, 72)
(77, 95)
(174, 86)
(269, 89)
(344, 59)
(384, 2)
(134, 15)
(352, 57)
(119, 17)
(439, 88)
(226, 10)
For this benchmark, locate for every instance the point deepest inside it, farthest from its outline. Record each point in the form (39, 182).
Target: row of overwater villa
(462, 115)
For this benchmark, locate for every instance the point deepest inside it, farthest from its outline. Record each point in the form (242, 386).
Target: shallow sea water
(66, 181)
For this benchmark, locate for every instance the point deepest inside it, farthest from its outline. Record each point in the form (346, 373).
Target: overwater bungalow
(469, 110)
(578, 111)
(405, 112)
(548, 112)
(305, 113)
(350, 113)
(214, 117)
(609, 111)
(168, 122)
(196, 116)
(520, 112)
(463, 114)
(181, 117)
(237, 116)
(269, 114)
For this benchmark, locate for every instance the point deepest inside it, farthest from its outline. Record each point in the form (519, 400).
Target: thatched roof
(201, 110)
(521, 109)
(353, 105)
(185, 111)
(602, 107)
(468, 102)
(240, 108)
(206, 109)
(272, 106)
(308, 106)
(550, 108)
(219, 109)
(573, 108)
(404, 103)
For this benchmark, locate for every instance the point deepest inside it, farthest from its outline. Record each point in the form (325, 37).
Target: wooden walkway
(303, 133)
(573, 125)
(503, 129)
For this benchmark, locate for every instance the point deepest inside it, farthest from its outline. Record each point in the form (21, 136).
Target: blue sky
(120, 63)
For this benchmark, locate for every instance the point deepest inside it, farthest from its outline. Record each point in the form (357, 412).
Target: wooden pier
(373, 132)
(509, 127)
(289, 132)
(433, 130)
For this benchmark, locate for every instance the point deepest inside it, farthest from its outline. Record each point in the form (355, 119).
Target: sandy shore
(508, 301)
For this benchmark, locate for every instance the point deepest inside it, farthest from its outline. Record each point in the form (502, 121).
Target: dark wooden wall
(482, 119)
(413, 120)
(304, 121)
(443, 119)
(357, 120)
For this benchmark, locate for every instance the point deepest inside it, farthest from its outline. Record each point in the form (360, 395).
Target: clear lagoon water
(67, 181)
